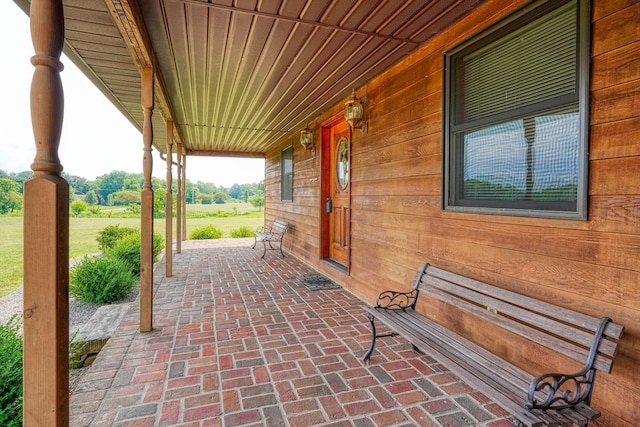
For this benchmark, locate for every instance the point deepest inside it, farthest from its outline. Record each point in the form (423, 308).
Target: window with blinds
(516, 115)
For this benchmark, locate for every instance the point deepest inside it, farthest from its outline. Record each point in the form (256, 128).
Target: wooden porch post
(46, 233)
(168, 257)
(146, 227)
(179, 203)
(184, 197)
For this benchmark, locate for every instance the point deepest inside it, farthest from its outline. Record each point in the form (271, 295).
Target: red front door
(337, 200)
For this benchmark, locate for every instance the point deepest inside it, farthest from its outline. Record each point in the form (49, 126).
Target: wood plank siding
(397, 221)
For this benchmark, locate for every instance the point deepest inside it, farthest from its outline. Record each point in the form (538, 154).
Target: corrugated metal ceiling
(239, 75)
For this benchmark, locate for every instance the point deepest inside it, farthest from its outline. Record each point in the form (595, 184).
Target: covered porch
(238, 340)
(222, 336)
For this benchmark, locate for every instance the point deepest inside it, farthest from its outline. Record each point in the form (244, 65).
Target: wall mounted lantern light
(354, 113)
(306, 139)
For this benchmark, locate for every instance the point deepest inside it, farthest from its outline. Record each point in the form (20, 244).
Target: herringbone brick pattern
(240, 341)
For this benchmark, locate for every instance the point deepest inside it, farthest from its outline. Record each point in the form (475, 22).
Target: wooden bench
(273, 235)
(552, 399)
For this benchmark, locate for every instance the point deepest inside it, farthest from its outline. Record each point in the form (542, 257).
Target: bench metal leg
(374, 335)
(367, 355)
(264, 251)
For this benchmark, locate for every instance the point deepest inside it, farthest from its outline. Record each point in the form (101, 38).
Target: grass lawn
(83, 232)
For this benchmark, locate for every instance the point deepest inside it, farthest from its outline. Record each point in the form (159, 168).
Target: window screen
(515, 103)
(286, 174)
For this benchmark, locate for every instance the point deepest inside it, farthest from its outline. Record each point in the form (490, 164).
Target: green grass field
(83, 232)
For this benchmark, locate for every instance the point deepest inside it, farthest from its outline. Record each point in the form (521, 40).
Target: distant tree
(80, 185)
(78, 207)
(131, 184)
(206, 188)
(21, 177)
(4, 174)
(159, 203)
(72, 194)
(257, 201)
(206, 199)
(91, 198)
(110, 183)
(124, 197)
(220, 197)
(235, 192)
(193, 193)
(157, 183)
(245, 195)
(10, 197)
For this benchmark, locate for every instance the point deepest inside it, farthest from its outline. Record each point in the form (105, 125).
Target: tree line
(118, 188)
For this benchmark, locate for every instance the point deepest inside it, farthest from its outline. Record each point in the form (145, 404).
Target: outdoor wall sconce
(306, 139)
(354, 113)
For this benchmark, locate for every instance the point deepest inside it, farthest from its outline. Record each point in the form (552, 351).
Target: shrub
(127, 250)
(94, 210)
(244, 231)
(133, 209)
(109, 236)
(207, 232)
(78, 207)
(11, 373)
(101, 280)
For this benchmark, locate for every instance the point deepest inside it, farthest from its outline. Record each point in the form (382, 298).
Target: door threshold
(337, 265)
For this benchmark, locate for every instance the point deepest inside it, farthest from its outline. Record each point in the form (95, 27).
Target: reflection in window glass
(286, 174)
(529, 159)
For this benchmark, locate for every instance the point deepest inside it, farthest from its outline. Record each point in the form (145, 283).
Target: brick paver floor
(240, 341)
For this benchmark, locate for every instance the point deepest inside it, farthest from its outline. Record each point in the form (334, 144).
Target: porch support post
(146, 227)
(184, 197)
(179, 203)
(168, 253)
(46, 233)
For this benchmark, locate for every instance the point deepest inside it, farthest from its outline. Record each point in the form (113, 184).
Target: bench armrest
(558, 391)
(567, 390)
(392, 300)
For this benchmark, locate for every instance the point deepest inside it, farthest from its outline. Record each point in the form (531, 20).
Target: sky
(96, 139)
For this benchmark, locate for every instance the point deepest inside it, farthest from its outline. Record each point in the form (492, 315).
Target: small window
(286, 174)
(516, 115)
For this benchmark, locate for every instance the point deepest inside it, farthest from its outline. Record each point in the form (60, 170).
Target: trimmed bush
(109, 236)
(207, 232)
(127, 250)
(243, 231)
(11, 373)
(101, 280)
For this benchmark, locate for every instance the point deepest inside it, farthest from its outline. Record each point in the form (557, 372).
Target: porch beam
(146, 226)
(179, 202)
(168, 252)
(46, 233)
(128, 19)
(219, 153)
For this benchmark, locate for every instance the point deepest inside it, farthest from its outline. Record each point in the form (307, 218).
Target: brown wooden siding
(397, 221)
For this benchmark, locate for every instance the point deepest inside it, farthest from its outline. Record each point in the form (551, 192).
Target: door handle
(329, 205)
